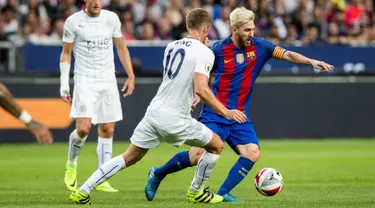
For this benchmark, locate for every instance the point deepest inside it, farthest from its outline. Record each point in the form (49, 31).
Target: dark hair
(196, 18)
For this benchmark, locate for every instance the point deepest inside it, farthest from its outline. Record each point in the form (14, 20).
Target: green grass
(317, 173)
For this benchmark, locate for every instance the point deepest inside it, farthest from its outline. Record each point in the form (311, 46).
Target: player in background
(90, 33)
(238, 62)
(187, 65)
(40, 131)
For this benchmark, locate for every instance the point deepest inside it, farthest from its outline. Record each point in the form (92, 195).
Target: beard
(244, 42)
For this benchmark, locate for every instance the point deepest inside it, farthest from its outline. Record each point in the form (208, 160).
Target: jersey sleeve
(272, 50)
(69, 33)
(117, 27)
(204, 62)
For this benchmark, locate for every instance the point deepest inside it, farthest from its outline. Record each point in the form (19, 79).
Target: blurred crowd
(295, 22)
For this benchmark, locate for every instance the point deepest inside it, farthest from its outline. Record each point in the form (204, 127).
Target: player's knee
(217, 148)
(83, 130)
(107, 132)
(252, 154)
(195, 154)
(256, 154)
(220, 147)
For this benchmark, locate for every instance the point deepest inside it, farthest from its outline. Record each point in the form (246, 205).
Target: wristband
(64, 71)
(25, 117)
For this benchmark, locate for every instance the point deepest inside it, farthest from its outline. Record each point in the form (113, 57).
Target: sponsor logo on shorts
(83, 108)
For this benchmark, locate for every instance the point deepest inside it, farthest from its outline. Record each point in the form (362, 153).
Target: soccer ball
(268, 182)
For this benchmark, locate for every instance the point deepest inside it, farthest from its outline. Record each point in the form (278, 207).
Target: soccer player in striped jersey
(238, 62)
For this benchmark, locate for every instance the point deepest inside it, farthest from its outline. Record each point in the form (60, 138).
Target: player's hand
(321, 65)
(128, 87)
(236, 115)
(65, 95)
(41, 132)
(196, 102)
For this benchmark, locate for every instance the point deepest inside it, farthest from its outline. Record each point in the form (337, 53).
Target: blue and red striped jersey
(235, 71)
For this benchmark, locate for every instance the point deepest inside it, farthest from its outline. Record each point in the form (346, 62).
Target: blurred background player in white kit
(90, 33)
(187, 65)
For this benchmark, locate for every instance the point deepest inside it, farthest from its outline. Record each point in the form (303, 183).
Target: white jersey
(181, 59)
(92, 42)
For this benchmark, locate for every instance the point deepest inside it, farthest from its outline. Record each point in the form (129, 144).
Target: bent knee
(195, 154)
(252, 153)
(220, 147)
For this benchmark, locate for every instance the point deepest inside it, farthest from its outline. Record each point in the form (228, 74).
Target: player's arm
(65, 59)
(40, 131)
(204, 92)
(297, 58)
(280, 53)
(201, 80)
(124, 56)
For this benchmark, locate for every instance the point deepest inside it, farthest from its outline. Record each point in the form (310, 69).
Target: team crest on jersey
(250, 55)
(240, 58)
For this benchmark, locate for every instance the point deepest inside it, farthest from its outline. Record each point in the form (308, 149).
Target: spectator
(10, 20)
(337, 21)
(222, 24)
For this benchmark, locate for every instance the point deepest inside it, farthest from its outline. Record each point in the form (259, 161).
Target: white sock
(75, 145)
(104, 150)
(204, 169)
(102, 174)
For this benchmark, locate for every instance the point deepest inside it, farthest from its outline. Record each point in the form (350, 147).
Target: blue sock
(178, 162)
(236, 175)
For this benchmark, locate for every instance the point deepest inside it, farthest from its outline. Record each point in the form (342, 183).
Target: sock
(75, 145)
(238, 172)
(178, 162)
(204, 169)
(104, 150)
(106, 171)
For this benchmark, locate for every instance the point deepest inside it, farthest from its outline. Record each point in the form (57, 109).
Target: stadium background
(291, 102)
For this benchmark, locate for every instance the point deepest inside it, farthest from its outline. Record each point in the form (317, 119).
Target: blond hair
(241, 16)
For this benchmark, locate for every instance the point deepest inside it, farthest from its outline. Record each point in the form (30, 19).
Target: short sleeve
(272, 50)
(117, 27)
(69, 33)
(204, 62)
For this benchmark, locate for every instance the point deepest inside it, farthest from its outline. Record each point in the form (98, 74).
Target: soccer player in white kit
(187, 65)
(90, 33)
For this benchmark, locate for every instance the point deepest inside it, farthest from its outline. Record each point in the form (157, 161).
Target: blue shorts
(234, 134)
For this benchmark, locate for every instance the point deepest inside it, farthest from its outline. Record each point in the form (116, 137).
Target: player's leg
(178, 162)
(104, 151)
(105, 141)
(244, 142)
(205, 166)
(76, 141)
(108, 112)
(82, 110)
(132, 155)
(144, 138)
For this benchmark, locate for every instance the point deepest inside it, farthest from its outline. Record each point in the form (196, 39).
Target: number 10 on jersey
(168, 70)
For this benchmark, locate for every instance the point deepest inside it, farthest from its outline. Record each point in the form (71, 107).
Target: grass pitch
(317, 173)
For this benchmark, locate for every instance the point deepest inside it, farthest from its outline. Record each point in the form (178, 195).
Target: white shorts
(154, 129)
(98, 101)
